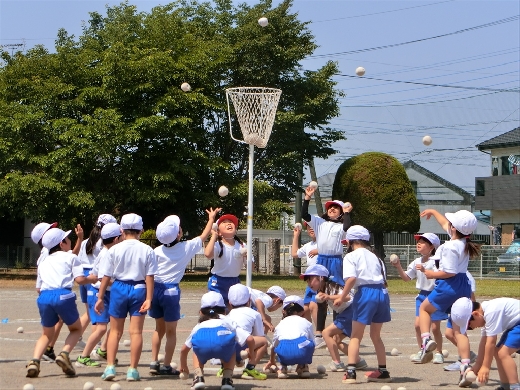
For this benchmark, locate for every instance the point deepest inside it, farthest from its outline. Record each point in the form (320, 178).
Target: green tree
(383, 198)
(101, 125)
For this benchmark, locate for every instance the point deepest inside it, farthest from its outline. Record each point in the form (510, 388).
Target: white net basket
(255, 108)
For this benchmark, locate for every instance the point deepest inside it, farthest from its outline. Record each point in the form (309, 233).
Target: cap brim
(302, 276)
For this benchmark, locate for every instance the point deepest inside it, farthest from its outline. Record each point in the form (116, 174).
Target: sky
(445, 68)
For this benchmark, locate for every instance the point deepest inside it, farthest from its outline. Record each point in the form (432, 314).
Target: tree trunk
(379, 249)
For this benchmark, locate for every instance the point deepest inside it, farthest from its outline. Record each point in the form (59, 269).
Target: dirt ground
(18, 309)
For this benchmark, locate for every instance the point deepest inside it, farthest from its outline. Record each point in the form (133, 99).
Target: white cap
(167, 231)
(461, 313)
(358, 232)
(293, 299)
(278, 291)
(336, 202)
(238, 295)
(53, 237)
(132, 221)
(103, 219)
(212, 299)
(315, 270)
(431, 237)
(110, 230)
(463, 220)
(173, 218)
(39, 230)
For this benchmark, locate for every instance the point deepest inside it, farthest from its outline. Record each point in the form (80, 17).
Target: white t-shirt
(101, 257)
(231, 262)
(241, 335)
(328, 236)
(422, 282)
(364, 266)
(500, 315)
(452, 257)
(292, 327)
(247, 319)
(59, 270)
(130, 260)
(43, 254)
(257, 294)
(304, 252)
(88, 260)
(471, 282)
(172, 261)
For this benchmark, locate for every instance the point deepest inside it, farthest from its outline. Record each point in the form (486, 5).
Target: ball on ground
(186, 87)
(19, 330)
(223, 191)
(471, 376)
(98, 388)
(263, 21)
(401, 388)
(427, 140)
(394, 352)
(445, 353)
(360, 71)
(148, 388)
(386, 387)
(394, 258)
(313, 184)
(88, 386)
(126, 343)
(173, 365)
(321, 369)
(115, 386)
(28, 386)
(183, 375)
(160, 358)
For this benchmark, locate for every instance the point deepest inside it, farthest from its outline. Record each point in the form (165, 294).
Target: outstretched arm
(441, 219)
(294, 247)
(79, 233)
(210, 248)
(212, 214)
(309, 191)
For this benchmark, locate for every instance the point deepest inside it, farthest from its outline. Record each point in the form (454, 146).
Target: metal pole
(249, 268)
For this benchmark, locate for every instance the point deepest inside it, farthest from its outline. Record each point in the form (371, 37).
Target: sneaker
(86, 362)
(319, 342)
(282, 373)
(463, 381)
(80, 344)
(253, 374)
(198, 383)
(33, 369)
(227, 384)
(63, 361)
(168, 371)
(422, 358)
(101, 355)
(109, 373)
(455, 366)
(303, 371)
(416, 356)
(49, 355)
(220, 373)
(154, 368)
(438, 358)
(361, 365)
(132, 375)
(337, 367)
(378, 376)
(350, 376)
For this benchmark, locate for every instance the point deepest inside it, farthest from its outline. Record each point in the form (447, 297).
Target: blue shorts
(335, 266)
(309, 296)
(126, 297)
(54, 304)
(511, 337)
(83, 288)
(239, 348)
(371, 304)
(343, 321)
(297, 351)
(437, 315)
(92, 297)
(221, 284)
(214, 343)
(447, 291)
(449, 325)
(166, 302)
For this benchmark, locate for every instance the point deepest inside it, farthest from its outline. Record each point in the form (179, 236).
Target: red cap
(230, 217)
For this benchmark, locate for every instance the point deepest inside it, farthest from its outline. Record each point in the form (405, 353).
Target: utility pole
(317, 196)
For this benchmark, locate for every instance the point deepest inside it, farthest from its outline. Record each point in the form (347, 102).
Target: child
(172, 258)
(309, 251)
(500, 315)
(250, 321)
(228, 256)
(293, 340)
(271, 301)
(110, 236)
(452, 282)
(427, 243)
(132, 264)
(214, 337)
(330, 230)
(371, 305)
(57, 274)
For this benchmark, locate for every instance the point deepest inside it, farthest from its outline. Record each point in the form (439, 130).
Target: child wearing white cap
(426, 245)
(110, 235)
(132, 265)
(172, 258)
(451, 280)
(330, 231)
(214, 337)
(271, 301)
(293, 340)
(57, 275)
(371, 305)
(496, 316)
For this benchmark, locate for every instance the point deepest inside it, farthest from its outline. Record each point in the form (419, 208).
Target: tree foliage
(101, 124)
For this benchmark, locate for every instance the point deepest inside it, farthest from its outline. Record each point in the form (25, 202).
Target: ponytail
(472, 249)
(93, 238)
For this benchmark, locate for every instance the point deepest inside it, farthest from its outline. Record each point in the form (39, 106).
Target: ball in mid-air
(263, 21)
(394, 259)
(360, 71)
(427, 140)
(186, 87)
(223, 191)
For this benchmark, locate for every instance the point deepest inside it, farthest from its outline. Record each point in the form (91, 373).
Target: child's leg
(117, 326)
(506, 365)
(341, 345)
(270, 320)
(462, 345)
(136, 339)
(199, 367)
(307, 312)
(437, 334)
(171, 341)
(85, 319)
(313, 308)
(229, 367)
(329, 335)
(425, 311)
(321, 317)
(57, 330)
(94, 338)
(43, 341)
(418, 332)
(260, 349)
(450, 336)
(73, 337)
(379, 346)
(158, 334)
(358, 329)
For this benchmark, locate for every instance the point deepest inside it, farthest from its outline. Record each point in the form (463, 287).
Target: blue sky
(466, 51)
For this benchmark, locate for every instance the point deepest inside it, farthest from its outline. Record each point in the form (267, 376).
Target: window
(480, 187)
(505, 165)
(414, 186)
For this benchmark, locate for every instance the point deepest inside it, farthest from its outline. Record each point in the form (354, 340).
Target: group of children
(127, 277)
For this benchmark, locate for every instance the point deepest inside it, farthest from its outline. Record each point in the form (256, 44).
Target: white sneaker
(438, 358)
(319, 342)
(337, 367)
(80, 344)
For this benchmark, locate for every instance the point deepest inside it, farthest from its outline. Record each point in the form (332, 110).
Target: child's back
(130, 260)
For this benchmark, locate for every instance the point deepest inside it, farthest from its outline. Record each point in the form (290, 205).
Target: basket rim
(253, 90)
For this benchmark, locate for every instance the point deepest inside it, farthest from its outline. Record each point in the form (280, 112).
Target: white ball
(98, 388)
(263, 21)
(298, 226)
(427, 140)
(243, 250)
(319, 300)
(160, 358)
(313, 184)
(445, 353)
(394, 259)
(115, 386)
(321, 369)
(215, 226)
(386, 387)
(148, 388)
(401, 388)
(348, 204)
(471, 376)
(88, 386)
(244, 355)
(513, 355)
(19, 330)
(173, 365)
(186, 87)
(28, 386)
(360, 71)
(394, 352)
(223, 191)
(183, 375)
(126, 343)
